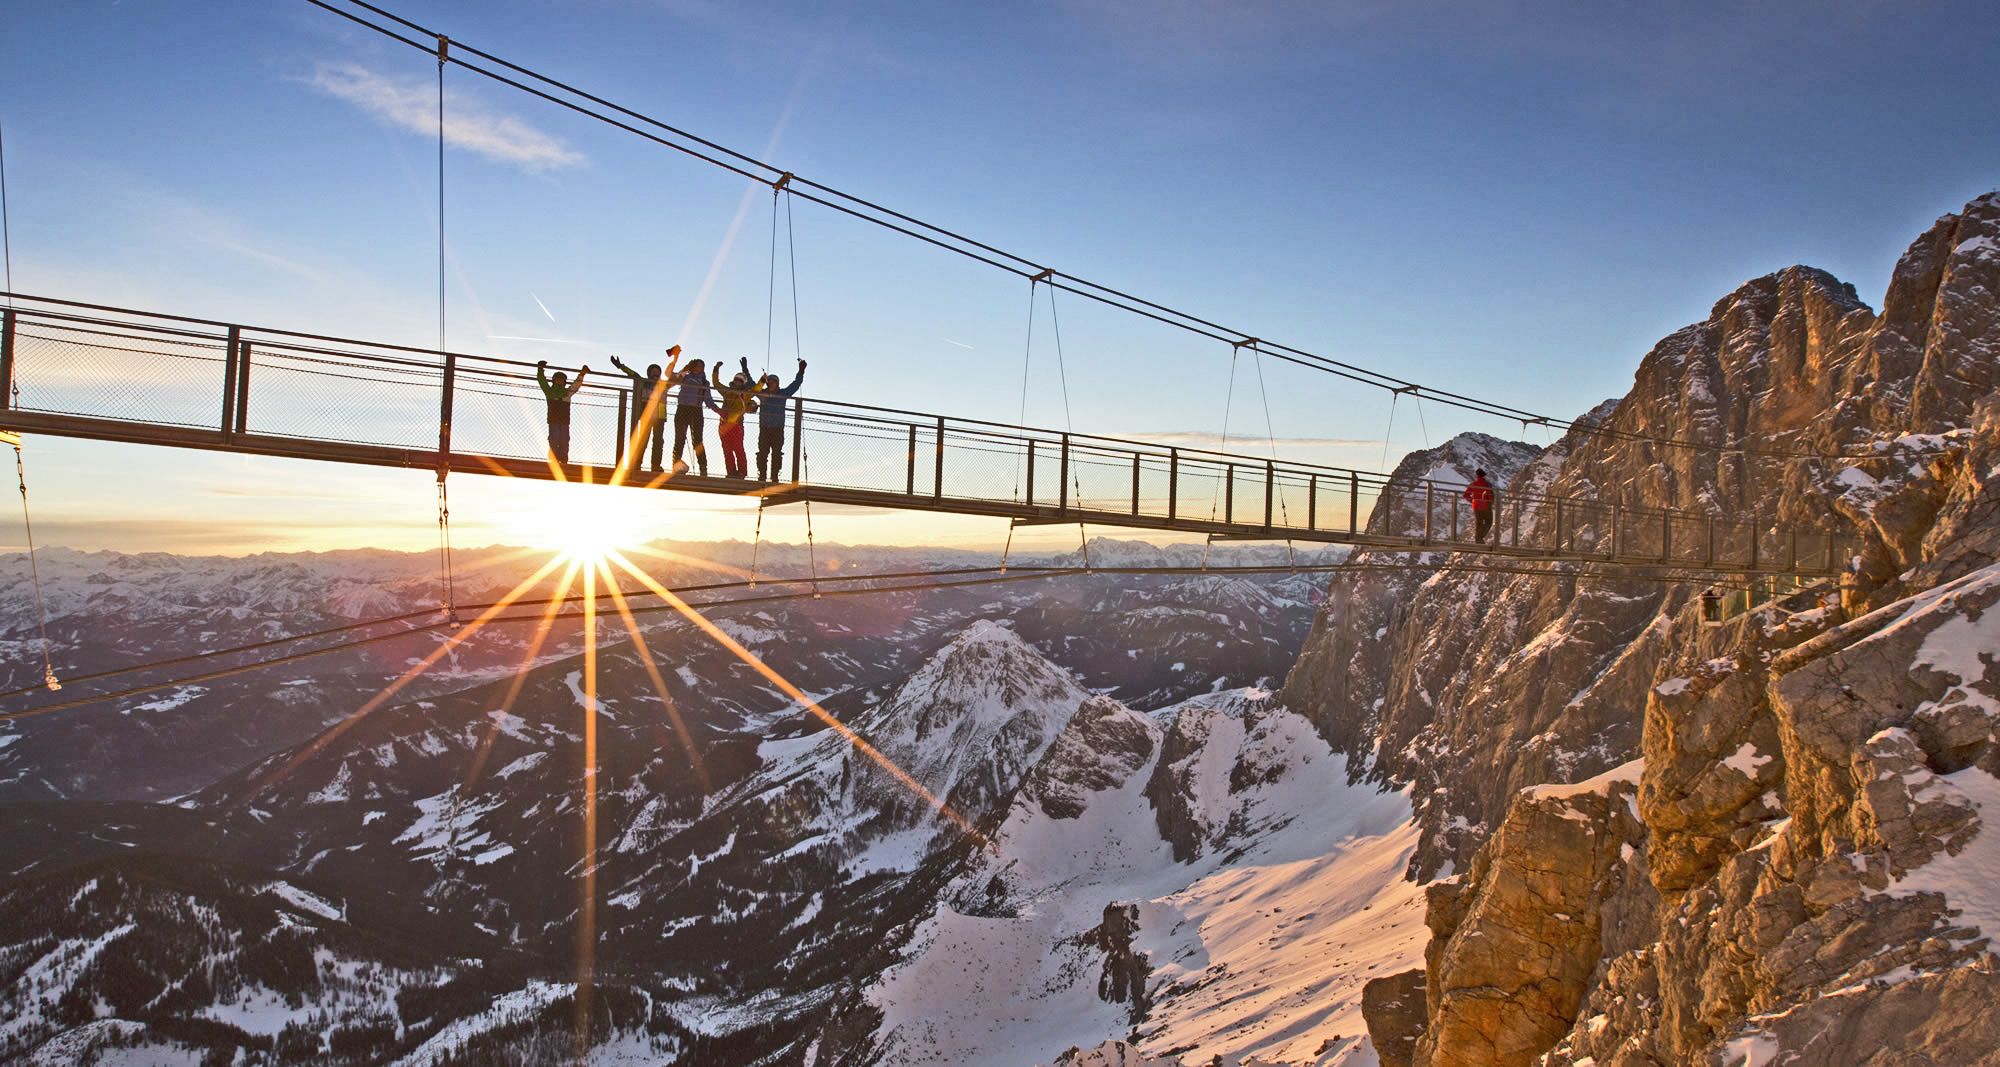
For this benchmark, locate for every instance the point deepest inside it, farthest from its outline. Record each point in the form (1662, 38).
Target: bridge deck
(116, 374)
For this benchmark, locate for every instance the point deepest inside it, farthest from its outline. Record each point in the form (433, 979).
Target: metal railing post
(1030, 498)
(229, 358)
(624, 431)
(1427, 512)
(444, 414)
(1062, 476)
(1135, 483)
(1173, 482)
(798, 435)
(1710, 557)
(1454, 516)
(7, 364)
(242, 387)
(1756, 529)
(1558, 547)
(1617, 520)
(1228, 493)
(1353, 503)
(910, 480)
(1666, 535)
(1517, 522)
(1270, 487)
(937, 486)
(1792, 560)
(1312, 502)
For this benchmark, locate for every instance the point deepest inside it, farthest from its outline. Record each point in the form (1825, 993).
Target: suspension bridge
(116, 374)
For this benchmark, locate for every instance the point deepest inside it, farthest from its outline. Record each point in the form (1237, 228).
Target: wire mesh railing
(119, 366)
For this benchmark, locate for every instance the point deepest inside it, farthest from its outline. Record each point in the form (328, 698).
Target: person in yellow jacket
(738, 400)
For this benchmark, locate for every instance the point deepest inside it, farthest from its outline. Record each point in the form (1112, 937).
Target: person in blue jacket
(689, 419)
(771, 422)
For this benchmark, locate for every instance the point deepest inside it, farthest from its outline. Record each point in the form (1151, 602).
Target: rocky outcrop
(1796, 873)
(1104, 744)
(1123, 980)
(1516, 938)
(1396, 1013)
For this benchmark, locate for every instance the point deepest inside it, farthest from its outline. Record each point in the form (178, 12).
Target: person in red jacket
(1480, 493)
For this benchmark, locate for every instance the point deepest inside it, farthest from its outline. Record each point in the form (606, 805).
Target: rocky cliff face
(1773, 842)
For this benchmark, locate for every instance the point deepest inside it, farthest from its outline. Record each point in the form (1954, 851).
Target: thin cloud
(1243, 441)
(412, 105)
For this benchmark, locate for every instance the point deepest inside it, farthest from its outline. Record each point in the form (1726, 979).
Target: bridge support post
(1517, 521)
(937, 485)
(910, 482)
(798, 436)
(1228, 493)
(1030, 498)
(1710, 557)
(1617, 520)
(1353, 503)
(1559, 528)
(1427, 513)
(1792, 558)
(229, 358)
(1454, 516)
(1756, 535)
(444, 414)
(1173, 483)
(1312, 502)
(242, 387)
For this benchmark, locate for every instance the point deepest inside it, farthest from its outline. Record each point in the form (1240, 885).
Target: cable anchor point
(1247, 342)
(784, 180)
(444, 49)
(49, 679)
(1048, 275)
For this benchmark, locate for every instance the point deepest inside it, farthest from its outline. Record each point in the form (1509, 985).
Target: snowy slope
(1260, 946)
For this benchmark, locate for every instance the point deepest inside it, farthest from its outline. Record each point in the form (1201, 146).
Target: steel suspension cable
(941, 237)
(1069, 423)
(6, 235)
(1271, 433)
(1388, 432)
(1027, 358)
(1215, 499)
(35, 570)
(444, 467)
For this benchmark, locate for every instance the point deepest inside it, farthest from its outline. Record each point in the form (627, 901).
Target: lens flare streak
(860, 744)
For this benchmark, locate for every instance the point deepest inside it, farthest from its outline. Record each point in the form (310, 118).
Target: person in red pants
(1480, 493)
(738, 400)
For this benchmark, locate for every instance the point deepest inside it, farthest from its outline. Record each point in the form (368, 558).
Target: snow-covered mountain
(1488, 819)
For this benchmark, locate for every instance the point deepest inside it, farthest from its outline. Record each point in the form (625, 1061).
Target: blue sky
(1514, 200)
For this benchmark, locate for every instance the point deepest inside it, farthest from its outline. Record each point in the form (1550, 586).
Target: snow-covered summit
(972, 719)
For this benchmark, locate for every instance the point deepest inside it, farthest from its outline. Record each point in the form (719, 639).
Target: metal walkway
(115, 374)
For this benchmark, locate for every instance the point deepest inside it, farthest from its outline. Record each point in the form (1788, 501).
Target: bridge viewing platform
(114, 374)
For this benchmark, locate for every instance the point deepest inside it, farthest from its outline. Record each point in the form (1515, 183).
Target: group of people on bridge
(702, 390)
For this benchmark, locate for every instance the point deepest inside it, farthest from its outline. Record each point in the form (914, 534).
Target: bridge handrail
(432, 365)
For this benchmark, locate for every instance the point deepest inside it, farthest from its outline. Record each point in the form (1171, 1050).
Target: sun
(585, 523)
